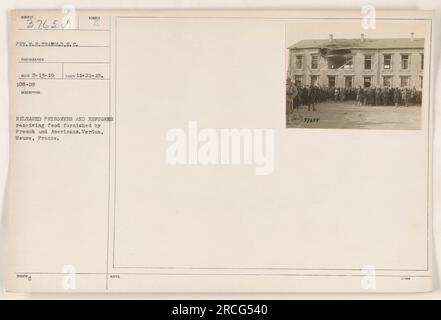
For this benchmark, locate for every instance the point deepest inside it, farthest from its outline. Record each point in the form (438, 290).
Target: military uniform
(405, 97)
(312, 97)
(291, 94)
(396, 97)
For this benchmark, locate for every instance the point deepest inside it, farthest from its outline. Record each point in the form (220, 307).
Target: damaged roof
(393, 43)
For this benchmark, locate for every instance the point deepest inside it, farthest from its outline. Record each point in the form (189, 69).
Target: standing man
(291, 94)
(359, 96)
(396, 97)
(312, 97)
(377, 96)
(405, 97)
(384, 95)
(413, 95)
(365, 96)
(371, 96)
(342, 94)
(336, 93)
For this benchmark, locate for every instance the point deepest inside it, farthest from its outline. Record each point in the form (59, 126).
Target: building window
(299, 62)
(387, 81)
(348, 81)
(422, 61)
(367, 82)
(340, 59)
(368, 62)
(405, 81)
(331, 81)
(387, 61)
(348, 62)
(421, 82)
(314, 61)
(314, 80)
(404, 61)
(298, 80)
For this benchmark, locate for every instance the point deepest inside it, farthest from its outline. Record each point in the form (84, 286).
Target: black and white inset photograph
(343, 75)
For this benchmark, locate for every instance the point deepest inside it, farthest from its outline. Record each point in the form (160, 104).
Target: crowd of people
(310, 95)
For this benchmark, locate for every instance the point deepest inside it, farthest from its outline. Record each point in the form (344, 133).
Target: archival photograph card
(220, 151)
(350, 78)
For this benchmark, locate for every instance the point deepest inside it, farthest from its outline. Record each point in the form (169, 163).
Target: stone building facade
(350, 63)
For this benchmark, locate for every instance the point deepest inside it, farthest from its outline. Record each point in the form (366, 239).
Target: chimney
(331, 37)
(411, 36)
(362, 37)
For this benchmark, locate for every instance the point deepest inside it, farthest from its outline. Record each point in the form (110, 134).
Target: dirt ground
(347, 115)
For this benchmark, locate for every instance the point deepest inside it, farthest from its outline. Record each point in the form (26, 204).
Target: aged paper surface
(215, 151)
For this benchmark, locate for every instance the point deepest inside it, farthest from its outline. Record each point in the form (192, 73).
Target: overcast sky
(320, 29)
